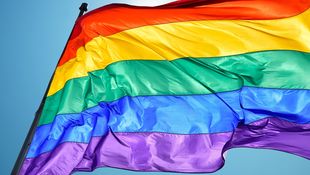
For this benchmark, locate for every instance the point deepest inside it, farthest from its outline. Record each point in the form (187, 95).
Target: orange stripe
(115, 18)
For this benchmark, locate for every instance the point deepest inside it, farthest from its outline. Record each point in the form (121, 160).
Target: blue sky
(33, 34)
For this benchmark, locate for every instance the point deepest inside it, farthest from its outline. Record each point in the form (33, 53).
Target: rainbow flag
(172, 87)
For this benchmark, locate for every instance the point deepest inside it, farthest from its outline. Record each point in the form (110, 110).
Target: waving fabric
(172, 87)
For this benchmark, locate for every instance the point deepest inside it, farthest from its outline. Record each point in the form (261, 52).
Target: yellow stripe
(209, 38)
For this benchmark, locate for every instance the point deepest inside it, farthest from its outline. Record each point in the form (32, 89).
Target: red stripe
(115, 18)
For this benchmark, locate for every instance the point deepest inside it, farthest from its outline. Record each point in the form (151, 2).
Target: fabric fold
(170, 152)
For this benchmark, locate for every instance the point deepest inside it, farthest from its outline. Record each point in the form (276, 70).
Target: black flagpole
(27, 142)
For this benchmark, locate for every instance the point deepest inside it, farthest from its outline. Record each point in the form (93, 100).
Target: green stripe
(187, 76)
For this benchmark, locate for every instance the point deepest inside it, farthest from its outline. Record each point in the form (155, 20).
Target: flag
(172, 87)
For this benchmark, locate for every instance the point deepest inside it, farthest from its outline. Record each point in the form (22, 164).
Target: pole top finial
(83, 8)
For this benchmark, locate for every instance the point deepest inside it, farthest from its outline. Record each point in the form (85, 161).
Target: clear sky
(33, 34)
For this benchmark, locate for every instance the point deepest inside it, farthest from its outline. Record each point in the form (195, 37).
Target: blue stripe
(196, 114)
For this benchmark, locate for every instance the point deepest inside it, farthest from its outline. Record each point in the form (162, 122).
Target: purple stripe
(274, 133)
(170, 152)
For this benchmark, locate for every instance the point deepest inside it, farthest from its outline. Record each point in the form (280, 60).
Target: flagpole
(27, 142)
